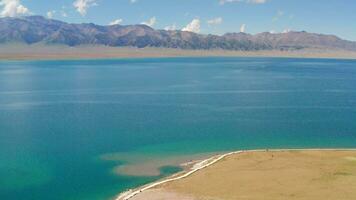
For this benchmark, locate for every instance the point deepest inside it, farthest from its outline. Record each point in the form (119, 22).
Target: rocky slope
(37, 29)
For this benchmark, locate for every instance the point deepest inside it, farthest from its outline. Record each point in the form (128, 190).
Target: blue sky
(205, 16)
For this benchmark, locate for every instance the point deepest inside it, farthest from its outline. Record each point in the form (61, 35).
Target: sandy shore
(197, 166)
(45, 52)
(260, 174)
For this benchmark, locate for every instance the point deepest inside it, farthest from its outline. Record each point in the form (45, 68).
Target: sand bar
(261, 174)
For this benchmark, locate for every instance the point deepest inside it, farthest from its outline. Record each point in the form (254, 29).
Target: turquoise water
(58, 117)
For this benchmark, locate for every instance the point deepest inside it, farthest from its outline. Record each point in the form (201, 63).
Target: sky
(336, 17)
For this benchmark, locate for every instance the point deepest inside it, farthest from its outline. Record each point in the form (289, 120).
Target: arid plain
(268, 175)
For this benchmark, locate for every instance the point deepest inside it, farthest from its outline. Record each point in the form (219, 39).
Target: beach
(61, 52)
(261, 174)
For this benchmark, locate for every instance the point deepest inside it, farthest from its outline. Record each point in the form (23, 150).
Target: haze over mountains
(37, 29)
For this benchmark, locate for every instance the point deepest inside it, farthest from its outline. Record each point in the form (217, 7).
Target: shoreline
(200, 165)
(16, 52)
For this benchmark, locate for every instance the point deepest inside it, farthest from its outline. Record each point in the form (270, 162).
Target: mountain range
(38, 29)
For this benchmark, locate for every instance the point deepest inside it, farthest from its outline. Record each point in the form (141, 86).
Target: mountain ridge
(38, 29)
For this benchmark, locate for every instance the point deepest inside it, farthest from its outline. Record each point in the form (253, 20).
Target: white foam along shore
(204, 164)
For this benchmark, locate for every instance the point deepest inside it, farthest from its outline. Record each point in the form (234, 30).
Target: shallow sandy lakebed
(267, 175)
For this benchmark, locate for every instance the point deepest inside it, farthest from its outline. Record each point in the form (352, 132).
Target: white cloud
(116, 22)
(64, 14)
(278, 15)
(51, 13)
(133, 1)
(12, 8)
(287, 30)
(215, 21)
(193, 26)
(222, 2)
(243, 28)
(171, 27)
(257, 1)
(82, 5)
(151, 22)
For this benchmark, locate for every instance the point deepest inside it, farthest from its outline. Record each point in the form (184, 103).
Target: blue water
(58, 117)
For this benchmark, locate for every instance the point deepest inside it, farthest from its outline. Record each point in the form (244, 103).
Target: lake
(70, 129)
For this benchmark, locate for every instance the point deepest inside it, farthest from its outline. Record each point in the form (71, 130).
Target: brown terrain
(55, 52)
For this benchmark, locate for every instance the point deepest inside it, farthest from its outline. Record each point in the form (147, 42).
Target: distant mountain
(37, 29)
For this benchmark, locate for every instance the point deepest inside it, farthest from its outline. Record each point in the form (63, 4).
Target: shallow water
(59, 118)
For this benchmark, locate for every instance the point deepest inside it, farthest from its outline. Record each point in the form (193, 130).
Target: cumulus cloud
(12, 8)
(257, 1)
(64, 14)
(116, 22)
(243, 28)
(287, 30)
(51, 13)
(82, 5)
(215, 21)
(279, 14)
(222, 2)
(193, 26)
(151, 22)
(171, 27)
